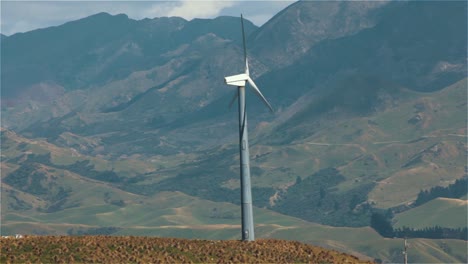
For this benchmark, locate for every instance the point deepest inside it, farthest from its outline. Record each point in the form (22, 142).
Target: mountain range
(108, 117)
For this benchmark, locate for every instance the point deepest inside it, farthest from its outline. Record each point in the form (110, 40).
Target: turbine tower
(240, 80)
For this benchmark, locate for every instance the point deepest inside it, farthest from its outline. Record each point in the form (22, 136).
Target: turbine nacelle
(240, 80)
(237, 80)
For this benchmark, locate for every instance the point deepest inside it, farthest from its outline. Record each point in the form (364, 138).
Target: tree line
(382, 225)
(455, 190)
(434, 232)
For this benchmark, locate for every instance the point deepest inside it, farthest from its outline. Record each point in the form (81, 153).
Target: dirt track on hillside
(113, 249)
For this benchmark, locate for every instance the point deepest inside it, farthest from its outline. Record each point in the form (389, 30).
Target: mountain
(390, 52)
(371, 109)
(196, 58)
(293, 31)
(100, 48)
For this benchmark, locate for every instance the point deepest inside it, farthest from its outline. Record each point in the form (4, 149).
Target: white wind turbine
(240, 80)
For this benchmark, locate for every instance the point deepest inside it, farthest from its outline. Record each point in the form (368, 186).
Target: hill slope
(438, 212)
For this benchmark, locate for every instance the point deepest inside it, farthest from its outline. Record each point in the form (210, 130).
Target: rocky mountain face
(370, 99)
(98, 49)
(143, 71)
(413, 46)
(299, 27)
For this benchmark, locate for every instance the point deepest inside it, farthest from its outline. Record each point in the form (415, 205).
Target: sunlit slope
(442, 212)
(163, 211)
(16, 149)
(433, 130)
(418, 141)
(366, 241)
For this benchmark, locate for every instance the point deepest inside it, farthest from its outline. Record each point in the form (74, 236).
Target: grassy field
(443, 212)
(178, 215)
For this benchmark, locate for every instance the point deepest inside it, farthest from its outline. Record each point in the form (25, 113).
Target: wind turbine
(240, 80)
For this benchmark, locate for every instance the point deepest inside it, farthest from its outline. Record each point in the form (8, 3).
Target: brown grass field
(129, 249)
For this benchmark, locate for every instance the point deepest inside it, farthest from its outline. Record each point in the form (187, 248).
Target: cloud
(190, 9)
(258, 12)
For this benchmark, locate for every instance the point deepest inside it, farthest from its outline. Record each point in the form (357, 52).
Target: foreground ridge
(125, 249)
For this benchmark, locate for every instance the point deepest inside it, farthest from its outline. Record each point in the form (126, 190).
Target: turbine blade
(243, 42)
(257, 91)
(236, 95)
(247, 66)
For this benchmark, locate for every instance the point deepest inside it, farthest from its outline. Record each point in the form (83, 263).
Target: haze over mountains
(109, 116)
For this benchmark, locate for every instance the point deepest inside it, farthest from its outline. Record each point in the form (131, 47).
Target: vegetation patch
(112, 249)
(455, 190)
(382, 225)
(316, 199)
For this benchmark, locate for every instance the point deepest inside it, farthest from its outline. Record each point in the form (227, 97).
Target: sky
(22, 16)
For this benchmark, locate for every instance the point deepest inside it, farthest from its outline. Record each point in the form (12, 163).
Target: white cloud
(158, 9)
(190, 9)
(258, 12)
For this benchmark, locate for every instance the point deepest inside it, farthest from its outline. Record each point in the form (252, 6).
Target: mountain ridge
(145, 33)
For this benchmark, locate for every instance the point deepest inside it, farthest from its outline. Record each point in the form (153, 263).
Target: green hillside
(179, 215)
(442, 212)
